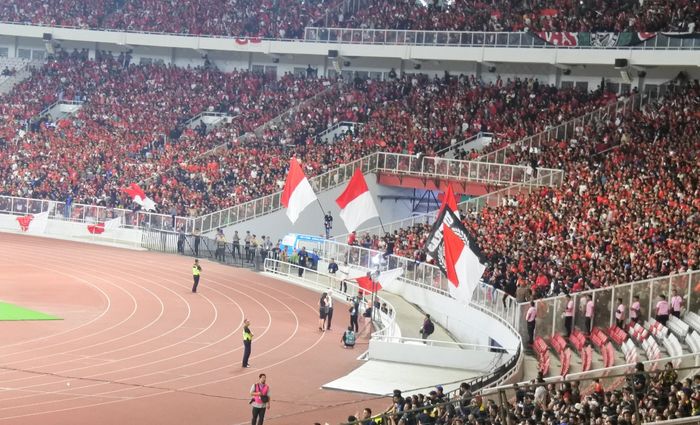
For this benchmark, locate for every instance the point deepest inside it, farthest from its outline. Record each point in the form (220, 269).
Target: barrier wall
(70, 230)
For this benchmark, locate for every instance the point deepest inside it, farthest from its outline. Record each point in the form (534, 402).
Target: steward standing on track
(247, 342)
(260, 400)
(196, 271)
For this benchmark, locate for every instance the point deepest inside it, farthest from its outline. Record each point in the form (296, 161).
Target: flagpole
(381, 224)
(321, 206)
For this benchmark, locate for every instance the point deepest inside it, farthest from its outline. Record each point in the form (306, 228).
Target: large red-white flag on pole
(453, 252)
(297, 193)
(356, 204)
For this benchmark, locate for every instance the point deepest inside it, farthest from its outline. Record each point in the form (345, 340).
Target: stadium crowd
(79, 156)
(288, 18)
(660, 395)
(539, 15)
(630, 212)
(131, 126)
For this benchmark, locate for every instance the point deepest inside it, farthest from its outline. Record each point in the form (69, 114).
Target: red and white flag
(367, 284)
(139, 196)
(356, 204)
(101, 227)
(297, 193)
(448, 198)
(449, 245)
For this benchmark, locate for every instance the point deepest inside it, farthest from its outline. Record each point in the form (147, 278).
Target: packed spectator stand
(626, 213)
(639, 396)
(286, 19)
(151, 144)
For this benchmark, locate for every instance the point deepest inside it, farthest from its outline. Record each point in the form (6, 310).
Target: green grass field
(13, 312)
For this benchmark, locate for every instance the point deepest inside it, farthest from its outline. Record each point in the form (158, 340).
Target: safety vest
(247, 336)
(195, 271)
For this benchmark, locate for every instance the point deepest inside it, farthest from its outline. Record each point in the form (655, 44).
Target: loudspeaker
(566, 71)
(332, 53)
(346, 63)
(620, 63)
(275, 60)
(417, 66)
(492, 69)
(47, 36)
(641, 74)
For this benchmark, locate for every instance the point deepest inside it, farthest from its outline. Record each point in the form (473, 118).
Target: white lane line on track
(273, 289)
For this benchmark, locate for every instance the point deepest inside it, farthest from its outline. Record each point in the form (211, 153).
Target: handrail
(275, 267)
(501, 39)
(84, 213)
(473, 171)
(336, 126)
(257, 131)
(60, 102)
(592, 374)
(401, 37)
(388, 162)
(463, 142)
(562, 131)
(474, 204)
(208, 114)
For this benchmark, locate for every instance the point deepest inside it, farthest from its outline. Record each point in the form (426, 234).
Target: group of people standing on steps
(662, 310)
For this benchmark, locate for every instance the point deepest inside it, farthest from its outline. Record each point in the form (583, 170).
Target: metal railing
(201, 115)
(84, 213)
(474, 39)
(480, 135)
(491, 199)
(256, 132)
(270, 203)
(46, 110)
(346, 124)
(498, 174)
(386, 322)
(390, 332)
(550, 320)
(504, 396)
(473, 171)
(563, 131)
(407, 37)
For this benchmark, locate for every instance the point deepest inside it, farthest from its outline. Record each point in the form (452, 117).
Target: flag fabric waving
(448, 198)
(365, 283)
(356, 204)
(139, 196)
(297, 193)
(449, 244)
(382, 280)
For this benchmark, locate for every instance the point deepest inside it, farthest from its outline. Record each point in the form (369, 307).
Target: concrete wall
(466, 323)
(76, 231)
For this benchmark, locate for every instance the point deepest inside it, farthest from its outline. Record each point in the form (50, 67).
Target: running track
(136, 346)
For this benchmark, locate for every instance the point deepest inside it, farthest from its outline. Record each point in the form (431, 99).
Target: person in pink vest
(635, 310)
(662, 310)
(676, 304)
(260, 401)
(620, 314)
